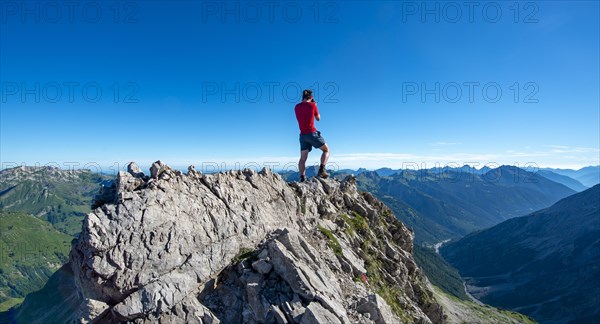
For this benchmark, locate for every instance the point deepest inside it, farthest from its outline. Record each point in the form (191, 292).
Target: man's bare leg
(324, 157)
(302, 163)
(325, 154)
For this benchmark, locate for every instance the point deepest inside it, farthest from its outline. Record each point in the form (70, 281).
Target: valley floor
(460, 311)
(437, 247)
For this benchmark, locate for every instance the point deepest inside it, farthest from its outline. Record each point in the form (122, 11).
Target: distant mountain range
(453, 203)
(546, 264)
(588, 176)
(577, 180)
(566, 180)
(62, 197)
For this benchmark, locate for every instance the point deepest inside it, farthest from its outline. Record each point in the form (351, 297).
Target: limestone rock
(262, 266)
(135, 170)
(316, 314)
(379, 311)
(239, 247)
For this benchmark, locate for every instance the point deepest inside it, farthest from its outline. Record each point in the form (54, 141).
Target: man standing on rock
(306, 113)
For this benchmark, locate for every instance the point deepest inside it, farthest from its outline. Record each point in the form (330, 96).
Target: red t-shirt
(305, 114)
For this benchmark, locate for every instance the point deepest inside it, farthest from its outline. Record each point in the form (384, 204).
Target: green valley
(30, 251)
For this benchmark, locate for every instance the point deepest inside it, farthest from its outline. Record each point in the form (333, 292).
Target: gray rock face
(377, 309)
(244, 247)
(298, 284)
(135, 170)
(315, 314)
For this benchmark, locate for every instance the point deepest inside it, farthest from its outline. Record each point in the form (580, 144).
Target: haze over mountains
(588, 176)
(546, 264)
(573, 179)
(566, 180)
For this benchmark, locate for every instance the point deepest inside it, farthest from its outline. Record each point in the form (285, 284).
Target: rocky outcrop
(287, 280)
(244, 247)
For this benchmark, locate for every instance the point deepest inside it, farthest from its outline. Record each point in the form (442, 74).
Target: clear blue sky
(370, 63)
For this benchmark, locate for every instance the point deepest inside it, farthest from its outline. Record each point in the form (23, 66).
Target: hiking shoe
(323, 173)
(302, 178)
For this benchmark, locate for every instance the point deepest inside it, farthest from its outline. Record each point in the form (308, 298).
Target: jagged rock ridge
(241, 246)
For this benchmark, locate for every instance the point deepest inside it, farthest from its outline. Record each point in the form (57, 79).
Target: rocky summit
(236, 247)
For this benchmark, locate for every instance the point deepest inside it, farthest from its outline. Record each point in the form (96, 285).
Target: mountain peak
(239, 246)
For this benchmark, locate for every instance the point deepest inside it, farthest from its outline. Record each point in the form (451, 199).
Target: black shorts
(308, 141)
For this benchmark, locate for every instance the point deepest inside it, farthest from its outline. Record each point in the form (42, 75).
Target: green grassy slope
(439, 272)
(30, 251)
(463, 311)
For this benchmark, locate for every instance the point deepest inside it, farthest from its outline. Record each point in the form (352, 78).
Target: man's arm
(317, 115)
